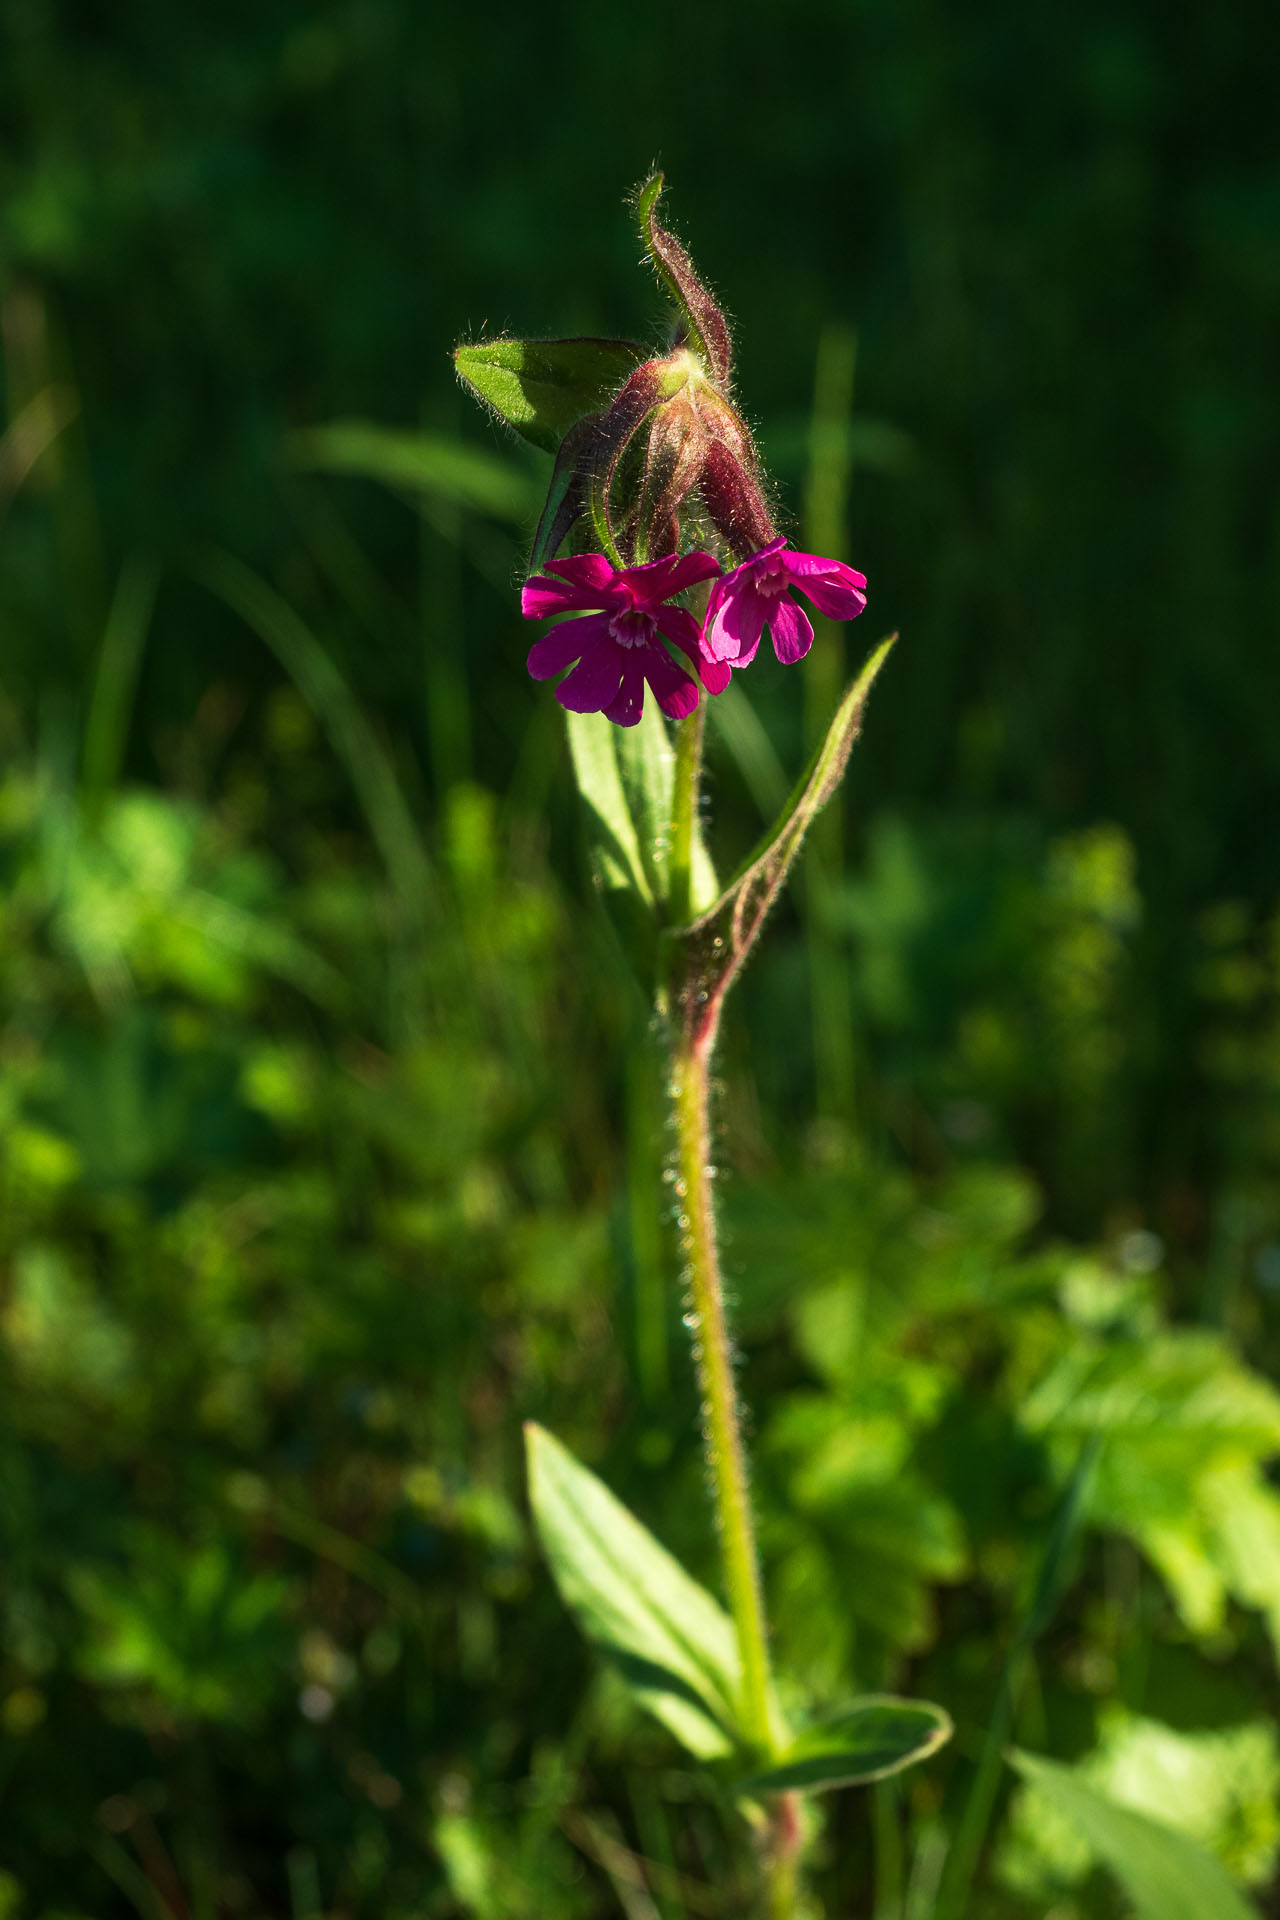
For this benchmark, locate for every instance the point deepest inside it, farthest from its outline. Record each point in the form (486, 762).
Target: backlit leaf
(873, 1737)
(671, 1642)
(543, 387)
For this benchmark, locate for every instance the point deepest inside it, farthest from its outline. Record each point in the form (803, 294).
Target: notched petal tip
(715, 674)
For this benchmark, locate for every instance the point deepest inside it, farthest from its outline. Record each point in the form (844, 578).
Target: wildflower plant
(656, 568)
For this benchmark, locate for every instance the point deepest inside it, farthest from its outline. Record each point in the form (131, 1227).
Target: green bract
(543, 387)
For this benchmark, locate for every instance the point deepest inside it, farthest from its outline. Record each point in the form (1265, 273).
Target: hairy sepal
(703, 324)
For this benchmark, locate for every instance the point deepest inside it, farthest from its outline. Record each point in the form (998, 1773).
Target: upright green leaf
(873, 1737)
(671, 1642)
(618, 867)
(543, 387)
(646, 764)
(1166, 1875)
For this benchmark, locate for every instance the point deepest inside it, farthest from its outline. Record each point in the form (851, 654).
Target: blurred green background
(330, 1138)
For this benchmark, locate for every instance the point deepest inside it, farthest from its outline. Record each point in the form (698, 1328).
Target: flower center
(771, 581)
(633, 628)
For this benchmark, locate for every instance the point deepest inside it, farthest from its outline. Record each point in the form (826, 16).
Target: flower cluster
(660, 462)
(628, 614)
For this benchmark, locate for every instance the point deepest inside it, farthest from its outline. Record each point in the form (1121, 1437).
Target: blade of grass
(365, 756)
(106, 729)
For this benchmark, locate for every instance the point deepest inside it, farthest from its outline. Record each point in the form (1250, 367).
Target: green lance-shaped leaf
(647, 767)
(872, 1737)
(1165, 1874)
(544, 387)
(617, 864)
(712, 949)
(626, 777)
(671, 1642)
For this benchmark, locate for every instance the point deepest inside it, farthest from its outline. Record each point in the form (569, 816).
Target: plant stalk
(693, 1045)
(692, 1048)
(713, 1355)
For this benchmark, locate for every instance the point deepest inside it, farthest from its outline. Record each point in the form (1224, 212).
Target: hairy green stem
(692, 1049)
(714, 1356)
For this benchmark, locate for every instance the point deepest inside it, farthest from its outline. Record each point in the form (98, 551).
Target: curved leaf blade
(673, 1645)
(872, 1738)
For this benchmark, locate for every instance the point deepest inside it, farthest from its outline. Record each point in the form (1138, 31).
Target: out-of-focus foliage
(331, 1147)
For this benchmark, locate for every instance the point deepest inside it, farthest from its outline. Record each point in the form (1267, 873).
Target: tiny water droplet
(693, 1321)
(682, 1221)
(669, 1175)
(681, 1187)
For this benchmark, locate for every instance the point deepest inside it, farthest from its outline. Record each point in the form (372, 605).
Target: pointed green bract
(873, 1737)
(544, 387)
(1166, 1875)
(717, 945)
(671, 1642)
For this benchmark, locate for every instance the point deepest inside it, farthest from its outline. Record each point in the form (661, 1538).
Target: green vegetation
(331, 1144)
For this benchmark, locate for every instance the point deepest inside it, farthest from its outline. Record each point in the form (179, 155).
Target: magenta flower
(756, 595)
(618, 643)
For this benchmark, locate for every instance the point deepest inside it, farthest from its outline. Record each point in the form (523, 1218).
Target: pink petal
(540, 598)
(735, 619)
(792, 633)
(585, 570)
(675, 690)
(681, 627)
(833, 597)
(661, 579)
(797, 565)
(594, 682)
(835, 589)
(566, 643)
(628, 704)
(716, 674)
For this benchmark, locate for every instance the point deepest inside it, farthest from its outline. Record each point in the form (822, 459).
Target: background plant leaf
(418, 463)
(1166, 1875)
